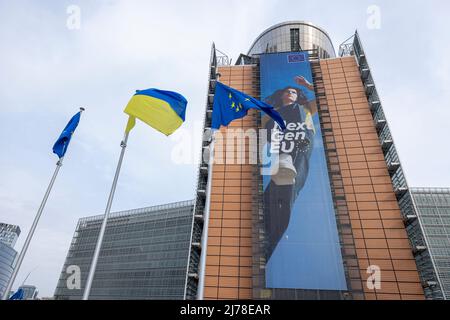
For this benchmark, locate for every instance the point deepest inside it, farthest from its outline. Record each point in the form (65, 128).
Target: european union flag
(230, 104)
(18, 295)
(60, 146)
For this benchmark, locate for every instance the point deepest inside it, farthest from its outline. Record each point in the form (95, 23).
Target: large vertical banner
(303, 250)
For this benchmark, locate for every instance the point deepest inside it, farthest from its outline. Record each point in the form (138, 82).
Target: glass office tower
(432, 226)
(331, 223)
(143, 255)
(29, 292)
(7, 257)
(9, 234)
(8, 237)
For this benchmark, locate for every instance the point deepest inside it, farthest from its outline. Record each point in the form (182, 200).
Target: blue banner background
(308, 256)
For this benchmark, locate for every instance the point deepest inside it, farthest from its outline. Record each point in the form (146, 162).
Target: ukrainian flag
(163, 110)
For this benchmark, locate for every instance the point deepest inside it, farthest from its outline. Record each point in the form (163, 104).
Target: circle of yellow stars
(237, 107)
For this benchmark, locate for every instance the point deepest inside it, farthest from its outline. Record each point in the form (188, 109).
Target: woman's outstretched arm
(301, 81)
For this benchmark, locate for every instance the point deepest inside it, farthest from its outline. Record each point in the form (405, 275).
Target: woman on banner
(294, 151)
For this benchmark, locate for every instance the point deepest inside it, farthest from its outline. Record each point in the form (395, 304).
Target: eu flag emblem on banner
(60, 146)
(162, 110)
(230, 104)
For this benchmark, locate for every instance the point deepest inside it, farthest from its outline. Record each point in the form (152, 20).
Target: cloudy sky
(48, 70)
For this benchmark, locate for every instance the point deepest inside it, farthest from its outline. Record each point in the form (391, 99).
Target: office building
(143, 255)
(430, 231)
(9, 234)
(321, 213)
(8, 237)
(29, 292)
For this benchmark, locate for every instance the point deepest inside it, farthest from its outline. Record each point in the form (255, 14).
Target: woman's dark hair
(275, 99)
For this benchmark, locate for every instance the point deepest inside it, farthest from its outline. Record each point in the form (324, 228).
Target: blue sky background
(48, 71)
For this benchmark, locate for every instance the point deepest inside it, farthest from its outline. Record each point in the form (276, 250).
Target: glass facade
(433, 212)
(293, 36)
(9, 234)
(29, 292)
(7, 256)
(8, 237)
(144, 254)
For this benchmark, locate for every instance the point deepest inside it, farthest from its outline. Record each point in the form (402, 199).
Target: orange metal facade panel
(413, 297)
(229, 238)
(380, 236)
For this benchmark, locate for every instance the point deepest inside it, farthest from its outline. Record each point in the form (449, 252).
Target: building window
(295, 40)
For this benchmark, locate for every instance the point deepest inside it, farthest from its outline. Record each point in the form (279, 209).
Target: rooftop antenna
(23, 283)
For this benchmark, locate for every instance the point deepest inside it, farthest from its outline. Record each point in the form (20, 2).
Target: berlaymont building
(320, 211)
(325, 212)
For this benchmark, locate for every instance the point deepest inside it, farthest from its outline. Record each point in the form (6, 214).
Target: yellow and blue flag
(231, 104)
(60, 146)
(162, 110)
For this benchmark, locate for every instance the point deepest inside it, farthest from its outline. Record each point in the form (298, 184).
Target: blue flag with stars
(230, 104)
(60, 146)
(18, 295)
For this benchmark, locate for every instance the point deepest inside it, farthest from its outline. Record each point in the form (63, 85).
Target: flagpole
(31, 232)
(33, 228)
(98, 246)
(204, 242)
